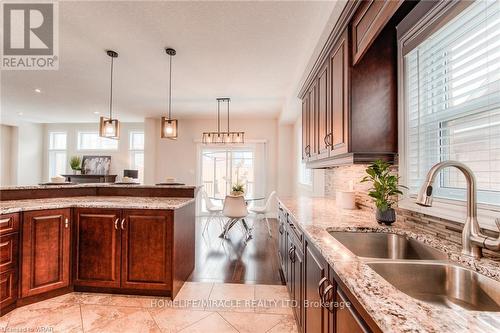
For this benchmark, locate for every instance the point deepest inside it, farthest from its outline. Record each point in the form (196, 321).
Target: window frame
(53, 151)
(424, 20)
(133, 151)
(80, 149)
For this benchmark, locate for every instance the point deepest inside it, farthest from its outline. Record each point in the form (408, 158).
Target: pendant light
(168, 125)
(219, 137)
(109, 127)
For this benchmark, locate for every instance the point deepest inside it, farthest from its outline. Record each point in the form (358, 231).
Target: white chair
(261, 211)
(235, 209)
(214, 211)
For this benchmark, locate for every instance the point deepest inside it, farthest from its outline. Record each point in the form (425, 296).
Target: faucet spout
(472, 239)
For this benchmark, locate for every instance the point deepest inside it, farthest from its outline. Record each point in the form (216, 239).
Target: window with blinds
(452, 103)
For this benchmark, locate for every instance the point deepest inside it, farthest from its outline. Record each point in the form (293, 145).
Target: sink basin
(386, 246)
(442, 283)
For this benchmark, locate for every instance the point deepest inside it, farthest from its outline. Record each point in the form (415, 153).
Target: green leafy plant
(75, 163)
(385, 187)
(238, 188)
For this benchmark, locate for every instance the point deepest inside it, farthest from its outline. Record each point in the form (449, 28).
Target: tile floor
(199, 307)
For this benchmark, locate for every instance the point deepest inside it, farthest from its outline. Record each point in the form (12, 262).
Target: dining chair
(235, 209)
(214, 211)
(261, 211)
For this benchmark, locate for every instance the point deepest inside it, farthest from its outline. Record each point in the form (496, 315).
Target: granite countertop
(14, 206)
(391, 309)
(84, 185)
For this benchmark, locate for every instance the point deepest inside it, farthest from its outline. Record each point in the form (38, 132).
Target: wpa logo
(30, 32)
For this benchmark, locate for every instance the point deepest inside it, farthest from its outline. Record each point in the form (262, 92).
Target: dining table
(231, 223)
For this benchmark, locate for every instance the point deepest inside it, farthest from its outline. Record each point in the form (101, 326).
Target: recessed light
(96, 112)
(19, 113)
(38, 90)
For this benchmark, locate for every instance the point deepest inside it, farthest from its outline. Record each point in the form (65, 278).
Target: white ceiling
(253, 52)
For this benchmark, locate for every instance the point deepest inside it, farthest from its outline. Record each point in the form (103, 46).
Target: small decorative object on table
(385, 190)
(75, 162)
(238, 189)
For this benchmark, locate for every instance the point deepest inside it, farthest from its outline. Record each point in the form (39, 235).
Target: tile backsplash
(339, 178)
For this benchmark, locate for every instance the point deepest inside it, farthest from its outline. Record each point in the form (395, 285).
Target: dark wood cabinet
(98, 247)
(9, 261)
(324, 116)
(282, 241)
(347, 320)
(339, 91)
(368, 22)
(146, 245)
(295, 270)
(317, 318)
(45, 251)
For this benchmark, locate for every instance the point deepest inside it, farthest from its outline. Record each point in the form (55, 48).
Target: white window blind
(452, 103)
(57, 153)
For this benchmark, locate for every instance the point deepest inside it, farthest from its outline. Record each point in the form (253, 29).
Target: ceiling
(253, 52)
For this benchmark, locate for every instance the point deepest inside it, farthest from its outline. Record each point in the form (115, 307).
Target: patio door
(223, 167)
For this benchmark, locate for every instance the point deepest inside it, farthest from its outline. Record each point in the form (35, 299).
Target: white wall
(8, 155)
(120, 159)
(179, 158)
(28, 138)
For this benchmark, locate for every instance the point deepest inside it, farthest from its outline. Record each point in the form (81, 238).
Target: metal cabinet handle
(66, 223)
(291, 254)
(320, 287)
(324, 301)
(122, 225)
(116, 223)
(280, 229)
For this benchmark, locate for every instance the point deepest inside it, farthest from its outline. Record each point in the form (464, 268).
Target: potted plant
(238, 189)
(75, 163)
(384, 190)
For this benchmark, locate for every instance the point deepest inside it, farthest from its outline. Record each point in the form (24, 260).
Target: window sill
(454, 211)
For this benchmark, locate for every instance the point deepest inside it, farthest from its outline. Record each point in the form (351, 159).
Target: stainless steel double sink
(421, 271)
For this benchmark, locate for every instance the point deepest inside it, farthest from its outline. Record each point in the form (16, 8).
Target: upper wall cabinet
(368, 22)
(349, 101)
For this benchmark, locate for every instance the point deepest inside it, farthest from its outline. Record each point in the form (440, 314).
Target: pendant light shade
(168, 128)
(109, 127)
(219, 137)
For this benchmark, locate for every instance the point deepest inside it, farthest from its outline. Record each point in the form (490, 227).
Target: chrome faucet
(473, 241)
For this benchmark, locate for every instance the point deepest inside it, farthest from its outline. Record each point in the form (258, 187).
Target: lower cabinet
(321, 299)
(97, 247)
(146, 244)
(128, 249)
(9, 261)
(45, 251)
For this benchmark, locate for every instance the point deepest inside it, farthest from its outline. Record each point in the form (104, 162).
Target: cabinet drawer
(8, 289)
(8, 251)
(9, 223)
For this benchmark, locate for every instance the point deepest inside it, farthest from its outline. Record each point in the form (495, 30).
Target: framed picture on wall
(96, 165)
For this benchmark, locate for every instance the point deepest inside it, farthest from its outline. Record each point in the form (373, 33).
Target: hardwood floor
(233, 260)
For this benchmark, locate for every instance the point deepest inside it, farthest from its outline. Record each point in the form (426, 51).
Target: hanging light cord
(111, 94)
(170, 90)
(228, 116)
(218, 116)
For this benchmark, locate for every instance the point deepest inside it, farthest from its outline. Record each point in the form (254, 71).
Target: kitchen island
(128, 239)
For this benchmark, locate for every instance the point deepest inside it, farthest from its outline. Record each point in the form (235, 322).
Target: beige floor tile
(46, 316)
(214, 323)
(287, 325)
(232, 297)
(111, 299)
(120, 319)
(272, 299)
(171, 320)
(70, 298)
(253, 322)
(193, 295)
(4, 320)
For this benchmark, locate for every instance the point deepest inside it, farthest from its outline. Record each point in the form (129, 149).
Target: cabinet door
(346, 318)
(324, 116)
(146, 249)
(282, 240)
(305, 127)
(98, 249)
(316, 317)
(313, 120)
(339, 90)
(45, 251)
(8, 289)
(298, 296)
